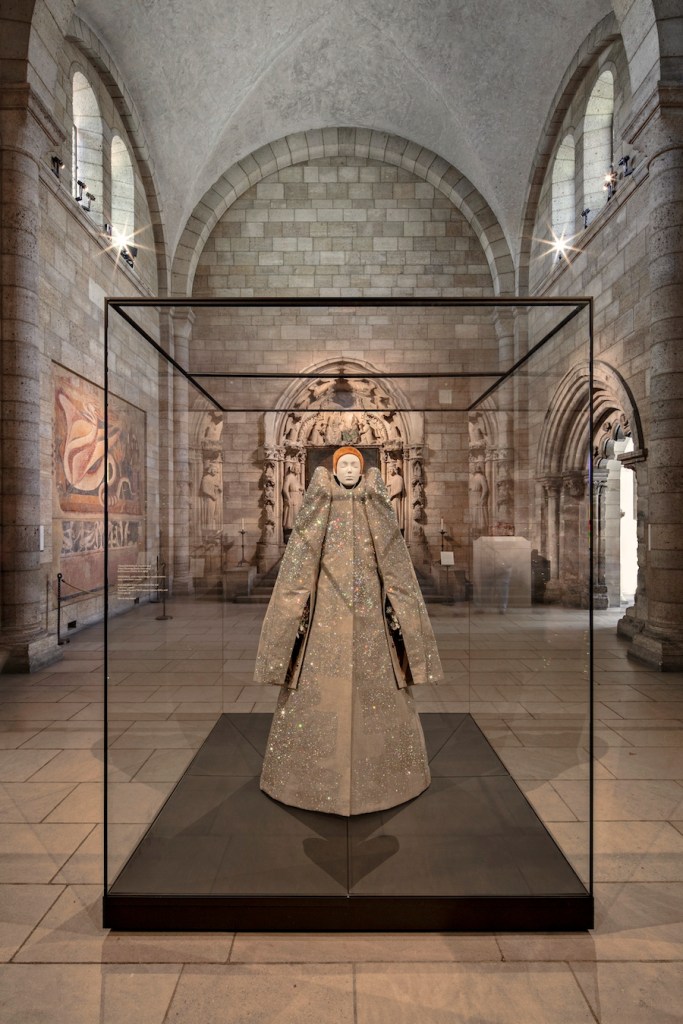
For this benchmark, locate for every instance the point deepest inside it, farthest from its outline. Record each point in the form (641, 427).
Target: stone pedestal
(238, 581)
(501, 573)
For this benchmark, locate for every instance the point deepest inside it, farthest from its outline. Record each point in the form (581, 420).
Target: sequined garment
(346, 737)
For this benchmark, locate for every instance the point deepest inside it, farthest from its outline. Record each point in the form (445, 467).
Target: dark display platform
(469, 854)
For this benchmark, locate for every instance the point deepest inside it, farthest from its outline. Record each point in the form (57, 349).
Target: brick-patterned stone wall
(342, 226)
(345, 226)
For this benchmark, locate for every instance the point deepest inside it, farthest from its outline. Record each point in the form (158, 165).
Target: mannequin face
(348, 470)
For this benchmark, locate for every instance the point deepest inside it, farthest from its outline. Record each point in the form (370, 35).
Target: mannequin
(346, 636)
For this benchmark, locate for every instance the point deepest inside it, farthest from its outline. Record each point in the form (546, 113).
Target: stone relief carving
(332, 411)
(210, 489)
(479, 502)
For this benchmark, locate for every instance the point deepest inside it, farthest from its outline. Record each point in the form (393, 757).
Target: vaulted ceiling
(472, 80)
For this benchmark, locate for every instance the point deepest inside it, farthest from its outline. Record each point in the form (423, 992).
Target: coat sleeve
(399, 584)
(296, 583)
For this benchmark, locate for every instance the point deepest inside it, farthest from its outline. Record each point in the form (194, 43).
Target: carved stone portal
(342, 406)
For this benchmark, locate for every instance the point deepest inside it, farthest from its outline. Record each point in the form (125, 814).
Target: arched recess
(122, 189)
(563, 472)
(563, 196)
(333, 142)
(598, 143)
(595, 43)
(314, 415)
(86, 145)
(491, 472)
(82, 36)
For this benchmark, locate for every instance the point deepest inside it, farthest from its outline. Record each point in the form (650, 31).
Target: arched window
(563, 211)
(86, 154)
(597, 143)
(122, 190)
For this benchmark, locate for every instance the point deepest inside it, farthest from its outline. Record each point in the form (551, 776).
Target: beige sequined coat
(346, 737)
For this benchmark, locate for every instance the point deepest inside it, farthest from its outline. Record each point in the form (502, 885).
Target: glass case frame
(319, 911)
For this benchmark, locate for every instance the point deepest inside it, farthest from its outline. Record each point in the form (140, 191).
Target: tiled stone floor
(522, 675)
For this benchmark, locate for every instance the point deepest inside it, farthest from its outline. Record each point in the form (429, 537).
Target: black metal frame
(541, 913)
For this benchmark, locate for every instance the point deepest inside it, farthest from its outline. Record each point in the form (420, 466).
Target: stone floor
(523, 676)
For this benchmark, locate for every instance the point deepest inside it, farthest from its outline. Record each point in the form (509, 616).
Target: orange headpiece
(348, 450)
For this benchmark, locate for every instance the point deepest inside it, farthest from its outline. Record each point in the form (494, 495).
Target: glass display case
(477, 415)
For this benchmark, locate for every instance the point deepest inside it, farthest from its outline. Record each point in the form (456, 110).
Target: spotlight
(91, 199)
(624, 163)
(610, 185)
(57, 165)
(584, 214)
(80, 185)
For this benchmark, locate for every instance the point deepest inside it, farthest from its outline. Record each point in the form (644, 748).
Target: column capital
(25, 122)
(631, 459)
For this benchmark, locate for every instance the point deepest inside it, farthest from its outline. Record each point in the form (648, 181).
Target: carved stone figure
(210, 490)
(214, 429)
(479, 501)
(396, 491)
(346, 635)
(292, 497)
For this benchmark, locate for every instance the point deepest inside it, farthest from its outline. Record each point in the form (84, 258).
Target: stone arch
(89, 44)
(563, 473)
(317, 413)
(331, 142)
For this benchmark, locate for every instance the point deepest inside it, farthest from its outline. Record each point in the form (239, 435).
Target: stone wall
(78, 270)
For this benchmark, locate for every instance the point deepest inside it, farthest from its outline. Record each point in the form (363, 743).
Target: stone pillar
(574, 573)
(552, 487)
(417, 541)
(26, 133)
(658, 128)
(268, 549)
(600, 589)
(183, 320)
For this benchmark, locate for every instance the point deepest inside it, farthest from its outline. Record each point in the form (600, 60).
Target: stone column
(552, 487)
(574, 572)
(600, 591)
(269, 546)
(183, 320)
(658, 128)
(26, 133)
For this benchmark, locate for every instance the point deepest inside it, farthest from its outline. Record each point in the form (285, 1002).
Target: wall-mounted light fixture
(126, 251)
(584, 214)
(624, 162)
(78, 196)
(57, 165)
(91, 199)
(128, 254)
(610, 185)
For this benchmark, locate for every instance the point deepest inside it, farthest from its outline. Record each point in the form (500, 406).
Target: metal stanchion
(60, 642)
(163, 617)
